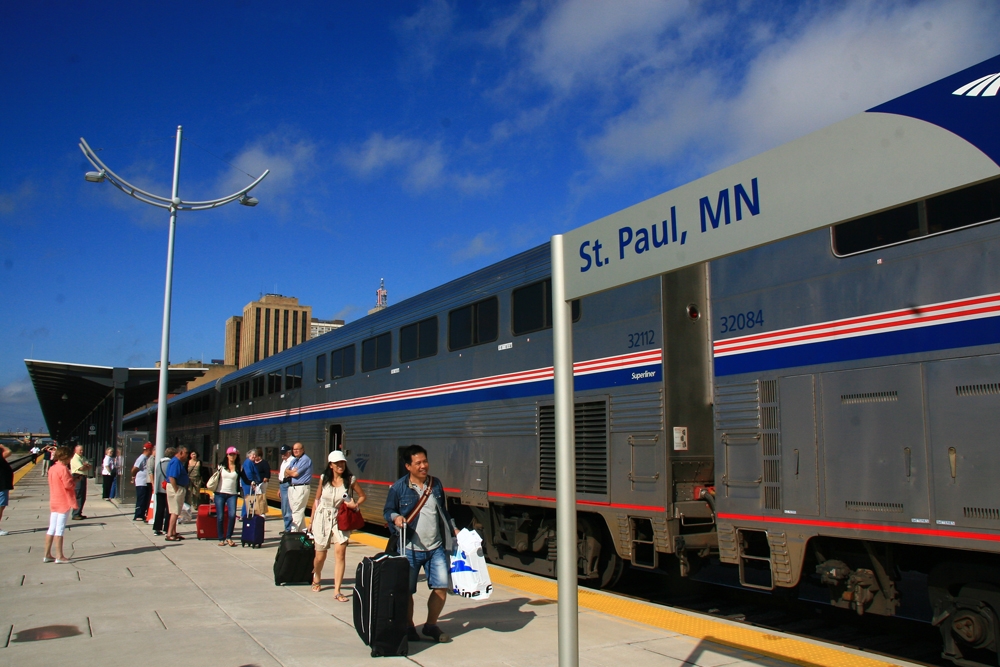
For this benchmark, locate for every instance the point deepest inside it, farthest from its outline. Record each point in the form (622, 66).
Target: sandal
(222, 543)
(317, 586)
(172, 538)
(340, 597)
(231, 543)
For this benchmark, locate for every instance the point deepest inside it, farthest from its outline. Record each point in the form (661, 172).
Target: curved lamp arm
(156, 200)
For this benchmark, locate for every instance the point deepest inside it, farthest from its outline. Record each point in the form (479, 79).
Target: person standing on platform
(231, 476)
(48, 452)
(6, 481)
(300, 471)
(286, 511)
(62, 499)
(251, 474)
(177, 484)
(119, 466)
(143, 485)
(107, 473)
(194, 488)
(264, 470)
(78, 467)
(335, 487)
(160, 518)
(429, 534)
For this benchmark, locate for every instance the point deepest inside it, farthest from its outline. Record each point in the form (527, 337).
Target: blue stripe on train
(616, 378)
(908, 341)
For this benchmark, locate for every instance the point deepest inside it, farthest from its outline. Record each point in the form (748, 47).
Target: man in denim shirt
(429, 534)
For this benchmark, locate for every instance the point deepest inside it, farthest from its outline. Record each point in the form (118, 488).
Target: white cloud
(424, 32)
(293, 163)
(18, 392)
(421, 165)
(698, 115)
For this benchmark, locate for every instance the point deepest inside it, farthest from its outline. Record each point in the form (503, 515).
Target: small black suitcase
(382, 603)
(294, 562)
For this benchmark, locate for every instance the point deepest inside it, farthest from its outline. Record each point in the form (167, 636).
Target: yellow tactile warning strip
(22, 472)
(747, 639)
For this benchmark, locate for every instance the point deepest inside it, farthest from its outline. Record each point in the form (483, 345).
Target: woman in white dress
(334, 492)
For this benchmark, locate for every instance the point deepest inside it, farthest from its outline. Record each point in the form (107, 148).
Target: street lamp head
(247, 200)
(95, 176)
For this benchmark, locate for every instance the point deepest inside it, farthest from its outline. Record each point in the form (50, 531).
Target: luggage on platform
(253, 531)
(381, 603)
(208, 528)
(294, 562)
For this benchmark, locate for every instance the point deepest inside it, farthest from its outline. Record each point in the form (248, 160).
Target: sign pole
(562, 347)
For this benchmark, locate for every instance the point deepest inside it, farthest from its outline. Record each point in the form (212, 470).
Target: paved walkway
(131, 599)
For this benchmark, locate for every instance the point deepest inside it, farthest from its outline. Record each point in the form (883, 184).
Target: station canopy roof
(69, 393)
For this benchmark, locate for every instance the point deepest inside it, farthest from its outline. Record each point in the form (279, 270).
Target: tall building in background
(234, 334)
(320, 327)
(269, 326)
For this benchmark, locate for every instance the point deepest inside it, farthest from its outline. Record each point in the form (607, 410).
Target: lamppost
(173, 204)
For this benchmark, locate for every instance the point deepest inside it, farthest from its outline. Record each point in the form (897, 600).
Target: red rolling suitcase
(208, 528)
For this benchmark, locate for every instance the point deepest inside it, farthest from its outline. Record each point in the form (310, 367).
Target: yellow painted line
(22, 472)
(742, 638)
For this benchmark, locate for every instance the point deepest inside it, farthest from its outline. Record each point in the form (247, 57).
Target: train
(823, 410)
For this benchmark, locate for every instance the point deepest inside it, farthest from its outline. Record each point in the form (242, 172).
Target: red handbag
(349, 519)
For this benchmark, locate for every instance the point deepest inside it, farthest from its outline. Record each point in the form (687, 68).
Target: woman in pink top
(62, 500)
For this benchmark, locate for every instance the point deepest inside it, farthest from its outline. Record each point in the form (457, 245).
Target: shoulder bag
(214, 480)
(349, 518)
(393, 545)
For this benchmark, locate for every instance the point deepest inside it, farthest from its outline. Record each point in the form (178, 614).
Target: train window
(231, 394)
(293, 376)
(376, 352)
(321, 368)
(531, 308)
(273, 382)
(474, 324)
(419, 340)
(954, 210)
(245, 390)
(258, 386)
(342, 362)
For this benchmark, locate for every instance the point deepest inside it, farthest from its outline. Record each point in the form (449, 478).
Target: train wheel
(593, 539)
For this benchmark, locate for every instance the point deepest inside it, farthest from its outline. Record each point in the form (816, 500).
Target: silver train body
(822, 408)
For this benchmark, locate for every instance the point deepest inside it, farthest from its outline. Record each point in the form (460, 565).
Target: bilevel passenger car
(826, 407)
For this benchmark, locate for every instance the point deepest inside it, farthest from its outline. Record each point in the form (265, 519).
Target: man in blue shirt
(177, 483)
(429, 534)
(299, 474)
(250, 470)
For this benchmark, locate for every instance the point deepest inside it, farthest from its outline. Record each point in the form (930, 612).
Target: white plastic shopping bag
(185, 515)
(469, 576)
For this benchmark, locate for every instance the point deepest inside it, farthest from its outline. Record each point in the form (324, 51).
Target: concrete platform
(130, 598)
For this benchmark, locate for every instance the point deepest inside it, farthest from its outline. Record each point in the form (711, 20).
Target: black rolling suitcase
(294, 562)
(382, 603)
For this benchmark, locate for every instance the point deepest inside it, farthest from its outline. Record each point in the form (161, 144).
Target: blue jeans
(143, 494)
(286, 509)
(225, 502)
(435, 564)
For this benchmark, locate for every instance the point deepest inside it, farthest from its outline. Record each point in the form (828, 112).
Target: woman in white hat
(334, 492)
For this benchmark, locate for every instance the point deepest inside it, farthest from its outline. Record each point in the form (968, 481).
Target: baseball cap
(148, 445)
(285, 449)
(232, 450)
(336, 456)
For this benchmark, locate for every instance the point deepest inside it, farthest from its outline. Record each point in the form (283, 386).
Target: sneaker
(4, 532)
(434, 633)
(412, 635)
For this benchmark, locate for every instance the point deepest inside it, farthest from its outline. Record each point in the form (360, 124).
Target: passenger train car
(824, 409)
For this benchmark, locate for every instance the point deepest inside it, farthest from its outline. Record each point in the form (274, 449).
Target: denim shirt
(402, 498)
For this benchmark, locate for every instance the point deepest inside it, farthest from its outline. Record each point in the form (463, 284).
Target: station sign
(935, 139)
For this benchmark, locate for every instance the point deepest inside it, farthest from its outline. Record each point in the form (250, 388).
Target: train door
(335, 437)
(963, 398)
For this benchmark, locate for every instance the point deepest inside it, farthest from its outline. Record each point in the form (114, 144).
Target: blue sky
(410, 141)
